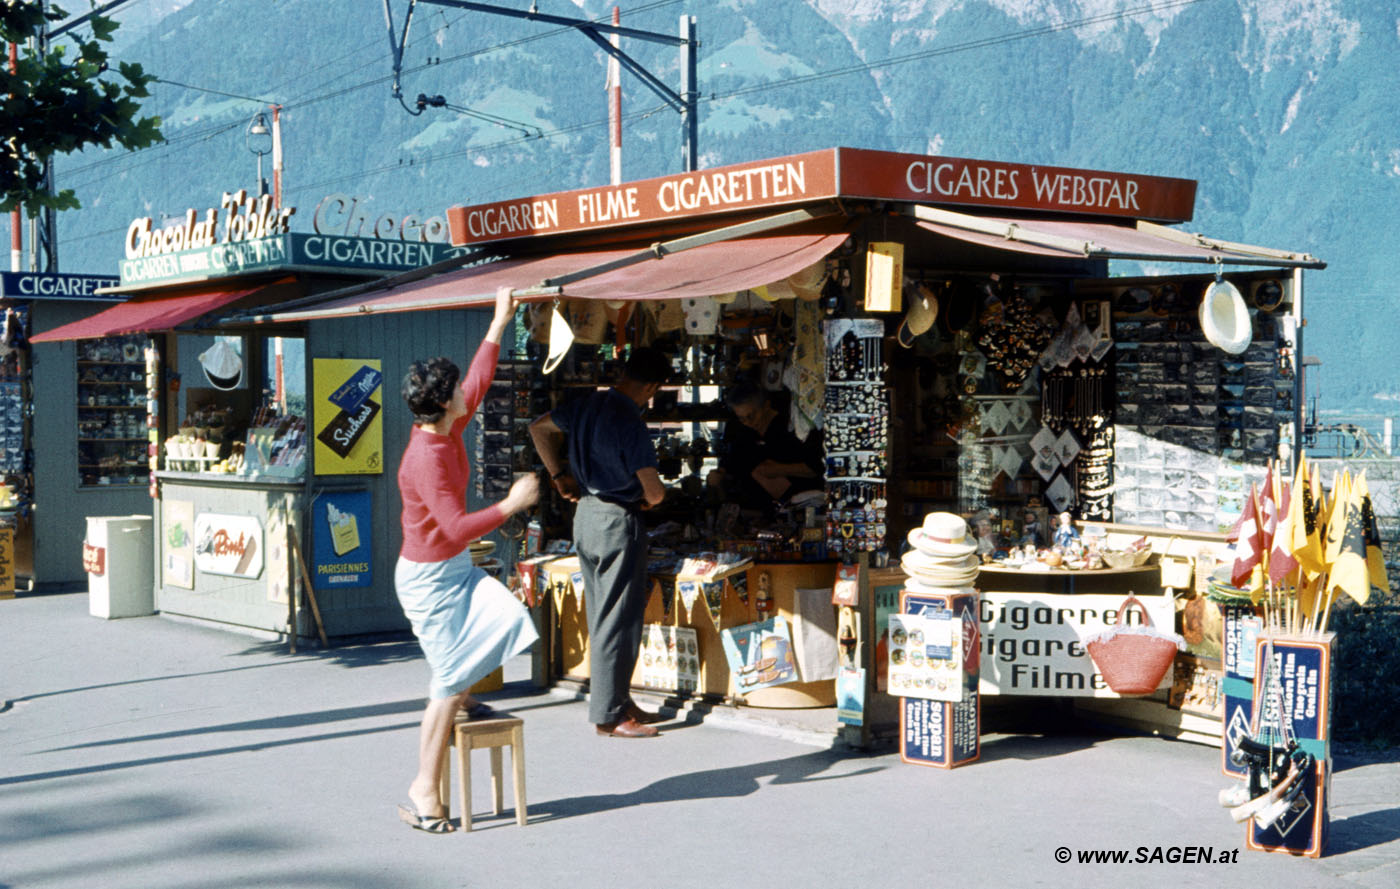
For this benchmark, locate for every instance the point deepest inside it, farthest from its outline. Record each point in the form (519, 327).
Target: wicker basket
(1178, 572)
(1130, 558)
(1133, 660)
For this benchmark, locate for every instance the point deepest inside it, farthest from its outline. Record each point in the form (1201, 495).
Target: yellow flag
(1349, 573)
(1308, 591)
(1304, 542)
(1332, 529)
(1375, 558)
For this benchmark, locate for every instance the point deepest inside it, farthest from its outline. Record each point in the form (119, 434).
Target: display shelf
(108, 431)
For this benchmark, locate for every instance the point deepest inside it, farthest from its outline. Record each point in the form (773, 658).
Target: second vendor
(761, 461)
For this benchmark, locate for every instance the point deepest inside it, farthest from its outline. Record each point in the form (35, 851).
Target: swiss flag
(1249, 546)
(1281, 560)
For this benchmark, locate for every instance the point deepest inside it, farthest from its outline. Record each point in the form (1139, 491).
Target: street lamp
(258, 139)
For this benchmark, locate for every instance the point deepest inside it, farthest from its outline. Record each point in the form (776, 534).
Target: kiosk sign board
(1032, 643)
(53, 286)
(825, 175)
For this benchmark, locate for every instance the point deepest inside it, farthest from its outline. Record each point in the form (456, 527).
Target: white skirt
(466, 621)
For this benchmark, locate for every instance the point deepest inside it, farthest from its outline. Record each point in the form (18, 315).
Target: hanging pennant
(689, 591)
(714, 598)
(1061, 494)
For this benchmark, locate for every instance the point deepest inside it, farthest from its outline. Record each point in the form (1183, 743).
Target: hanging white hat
(222, 365)
(561, 337)
(1224, 318)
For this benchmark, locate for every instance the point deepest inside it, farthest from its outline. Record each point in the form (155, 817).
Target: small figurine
(1066, 536)
(1030, 531)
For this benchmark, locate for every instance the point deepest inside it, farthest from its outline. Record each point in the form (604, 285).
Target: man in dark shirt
(762, 460)
(612, 474)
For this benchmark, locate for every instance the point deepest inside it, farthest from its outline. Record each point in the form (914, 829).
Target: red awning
(1101, 240)
(146, 314)
(723, 266)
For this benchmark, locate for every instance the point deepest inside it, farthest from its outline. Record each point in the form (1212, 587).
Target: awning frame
(553, 288)
(1236, 254)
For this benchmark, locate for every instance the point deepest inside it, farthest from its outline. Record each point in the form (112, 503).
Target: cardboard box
(1305, 670)
(945, 734)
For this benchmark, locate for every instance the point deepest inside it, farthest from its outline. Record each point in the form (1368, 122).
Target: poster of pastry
(759, 654)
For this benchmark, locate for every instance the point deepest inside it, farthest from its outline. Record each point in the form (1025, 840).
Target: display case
(111, 412)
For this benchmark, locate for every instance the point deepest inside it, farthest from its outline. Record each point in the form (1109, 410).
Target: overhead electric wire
(413, 162)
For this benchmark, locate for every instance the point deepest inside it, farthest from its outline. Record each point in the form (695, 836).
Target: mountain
(1287, 112)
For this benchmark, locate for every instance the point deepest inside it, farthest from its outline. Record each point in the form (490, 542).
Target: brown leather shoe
(645, 717)
(627, 728)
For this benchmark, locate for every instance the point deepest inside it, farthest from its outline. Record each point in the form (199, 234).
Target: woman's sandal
(408, 814)
(480, 710)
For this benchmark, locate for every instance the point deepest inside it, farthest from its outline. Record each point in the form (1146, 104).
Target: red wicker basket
(1133, 660)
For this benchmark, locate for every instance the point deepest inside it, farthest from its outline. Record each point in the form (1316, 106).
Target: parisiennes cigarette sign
(823, 175)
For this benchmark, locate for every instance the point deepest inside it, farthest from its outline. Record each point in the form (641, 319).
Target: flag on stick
(1349, 571)
(1249, 544)
(1305, 543)
(1282, 562)
(1375, 558)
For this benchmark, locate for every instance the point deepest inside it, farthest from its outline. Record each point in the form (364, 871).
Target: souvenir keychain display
(1073, 451)
(856, 437)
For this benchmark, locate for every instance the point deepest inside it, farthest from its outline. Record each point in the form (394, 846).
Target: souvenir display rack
(1190, 417)
(111, 411)
(16, 412)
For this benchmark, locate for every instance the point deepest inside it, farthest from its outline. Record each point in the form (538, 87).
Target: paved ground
(149, 753)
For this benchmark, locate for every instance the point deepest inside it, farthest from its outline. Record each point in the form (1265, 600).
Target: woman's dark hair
(428, 386)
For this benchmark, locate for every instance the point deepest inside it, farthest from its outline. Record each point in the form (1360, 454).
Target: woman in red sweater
(466, 621)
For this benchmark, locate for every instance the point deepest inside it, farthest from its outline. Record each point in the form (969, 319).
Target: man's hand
(567, 486)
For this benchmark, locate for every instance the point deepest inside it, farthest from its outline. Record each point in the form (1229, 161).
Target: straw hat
(923, 311)
(937, 571)
(807, 283)
(222, 365)
(1224, 318)
(943, 534)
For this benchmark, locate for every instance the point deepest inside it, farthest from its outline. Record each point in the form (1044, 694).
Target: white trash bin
(121, 547)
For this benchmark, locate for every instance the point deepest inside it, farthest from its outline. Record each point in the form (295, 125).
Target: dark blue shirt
(608, 443)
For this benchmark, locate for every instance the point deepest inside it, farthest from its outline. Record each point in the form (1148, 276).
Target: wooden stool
(492, 734)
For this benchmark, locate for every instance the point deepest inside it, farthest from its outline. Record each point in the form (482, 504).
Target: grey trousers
(612, 553)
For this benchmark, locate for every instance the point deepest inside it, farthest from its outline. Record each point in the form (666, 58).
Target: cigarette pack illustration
(345, 530)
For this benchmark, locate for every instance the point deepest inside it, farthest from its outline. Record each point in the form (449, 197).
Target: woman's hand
(505, 313)
(523, 494)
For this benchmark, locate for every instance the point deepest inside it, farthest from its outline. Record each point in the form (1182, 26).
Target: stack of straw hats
(943, 557)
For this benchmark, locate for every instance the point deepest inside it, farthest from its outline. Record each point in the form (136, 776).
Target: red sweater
(433, 479)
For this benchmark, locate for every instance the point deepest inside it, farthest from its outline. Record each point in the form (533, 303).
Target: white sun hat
(561, 337)
(1224, 318)
(222, 365)
(942, 534)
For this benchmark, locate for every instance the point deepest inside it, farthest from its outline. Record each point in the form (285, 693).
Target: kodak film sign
(823, 175)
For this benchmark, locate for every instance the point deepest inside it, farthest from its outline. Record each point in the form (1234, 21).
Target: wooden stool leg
(445, 781)
(464, 780)
(517, 761)
(496, 780)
